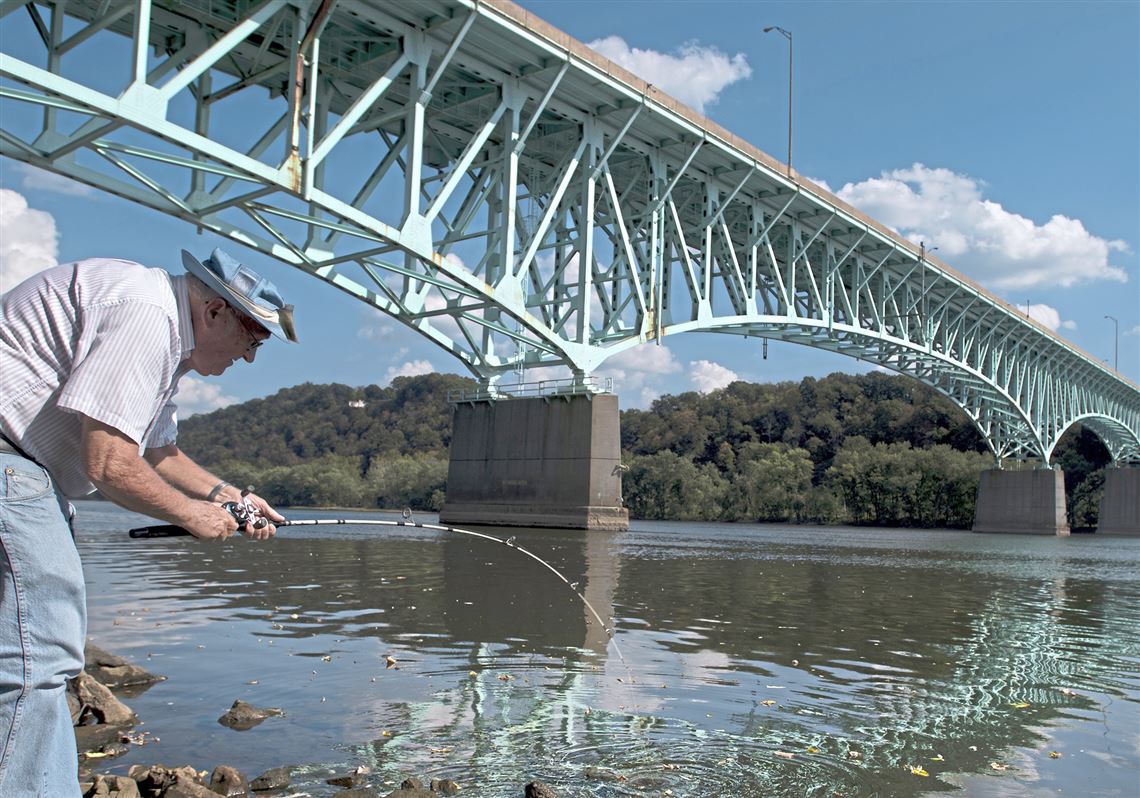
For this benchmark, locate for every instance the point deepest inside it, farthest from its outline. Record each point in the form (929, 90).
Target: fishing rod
(247, 515)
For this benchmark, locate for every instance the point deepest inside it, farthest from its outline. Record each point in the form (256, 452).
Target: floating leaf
(937, 758)
(785, 755)
(768, 702)
(1054, 754)
(1020, 705)
(854, 755)
(811, 749)
(998, 766)
(390, 661)
(919, 771)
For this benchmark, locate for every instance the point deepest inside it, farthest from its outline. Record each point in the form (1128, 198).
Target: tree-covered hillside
(324, 445)
(869, 449)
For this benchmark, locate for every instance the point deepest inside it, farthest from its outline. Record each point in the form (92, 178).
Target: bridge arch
(595, 213)
(1122, 443)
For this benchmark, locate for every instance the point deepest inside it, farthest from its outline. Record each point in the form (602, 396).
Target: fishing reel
(245, 513)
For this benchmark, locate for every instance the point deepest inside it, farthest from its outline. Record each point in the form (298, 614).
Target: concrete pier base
(1030, 502)
(546, 462)
(1120, 505)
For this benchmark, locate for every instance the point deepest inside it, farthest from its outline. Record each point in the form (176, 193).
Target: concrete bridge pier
(551, 461)
(1120, 504)
(1028, 502)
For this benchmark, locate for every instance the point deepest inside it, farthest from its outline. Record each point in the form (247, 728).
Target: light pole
(1116, 344)
(787, 35)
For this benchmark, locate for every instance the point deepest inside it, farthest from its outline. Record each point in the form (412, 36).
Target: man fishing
(91, 354)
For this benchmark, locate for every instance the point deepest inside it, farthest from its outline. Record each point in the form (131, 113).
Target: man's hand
(209, 521)
(267, 513)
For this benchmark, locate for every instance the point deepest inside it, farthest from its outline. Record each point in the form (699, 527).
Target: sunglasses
(249, 327)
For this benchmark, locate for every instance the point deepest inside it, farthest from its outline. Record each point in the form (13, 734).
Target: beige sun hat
(246, 290)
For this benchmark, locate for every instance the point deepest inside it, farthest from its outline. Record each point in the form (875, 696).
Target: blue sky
(1006, 134)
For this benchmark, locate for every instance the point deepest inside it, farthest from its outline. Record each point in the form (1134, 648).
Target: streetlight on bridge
(1116, 344)
(787, 35)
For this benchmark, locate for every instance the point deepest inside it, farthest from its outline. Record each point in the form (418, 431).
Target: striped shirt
(101, 338)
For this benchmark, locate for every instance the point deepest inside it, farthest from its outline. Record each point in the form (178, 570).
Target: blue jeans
(43, 624)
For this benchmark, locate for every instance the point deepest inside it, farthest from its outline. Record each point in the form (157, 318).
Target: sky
(1005, 134)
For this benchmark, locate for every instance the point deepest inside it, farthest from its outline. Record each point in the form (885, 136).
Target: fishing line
(165, 531)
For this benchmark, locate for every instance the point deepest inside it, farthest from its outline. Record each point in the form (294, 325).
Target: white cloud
(376, 328)
(708, 376)
(36, 178)
(1047, 315)
(1134, 331)
(29, 242)
(197, 396)
(695, 75)
(637, 372)
(996, 247)
(411, 368)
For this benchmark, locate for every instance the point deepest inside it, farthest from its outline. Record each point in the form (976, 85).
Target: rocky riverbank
(105, 728)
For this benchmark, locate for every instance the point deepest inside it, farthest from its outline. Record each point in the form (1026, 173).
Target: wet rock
(601, 774)
(114, 671)
(95, 702)
(362, 793)
(411, 793)
(113, 787)
(242, 716)
(275, 779)
(536, 789)
(189, 789)
(228, 781)
(348, 780)
(158, 780)
(98, 737)
(444, 787)
(411, 788)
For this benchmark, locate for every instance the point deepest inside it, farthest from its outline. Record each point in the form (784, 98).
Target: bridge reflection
(736, 645)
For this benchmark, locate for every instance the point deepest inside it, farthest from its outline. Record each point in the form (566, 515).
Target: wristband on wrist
(213, 494)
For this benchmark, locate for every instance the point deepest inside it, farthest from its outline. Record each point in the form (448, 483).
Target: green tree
(668, 486)
(415, 482)
(772, 484)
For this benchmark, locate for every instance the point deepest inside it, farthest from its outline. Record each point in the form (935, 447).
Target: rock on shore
(103, 729)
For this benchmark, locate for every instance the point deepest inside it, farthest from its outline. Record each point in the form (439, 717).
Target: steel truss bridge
(513, 196)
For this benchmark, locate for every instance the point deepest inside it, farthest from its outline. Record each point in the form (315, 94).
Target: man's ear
(214, 308)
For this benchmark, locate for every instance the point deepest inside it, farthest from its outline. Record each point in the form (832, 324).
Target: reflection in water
(758, 660)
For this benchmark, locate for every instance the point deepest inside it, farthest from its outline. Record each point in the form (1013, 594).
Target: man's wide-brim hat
(246, 290)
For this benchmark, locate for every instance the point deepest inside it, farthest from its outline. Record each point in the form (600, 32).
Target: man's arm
(177, 468)
(113, 464)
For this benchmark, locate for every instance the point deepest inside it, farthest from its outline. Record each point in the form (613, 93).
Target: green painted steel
(511, 195)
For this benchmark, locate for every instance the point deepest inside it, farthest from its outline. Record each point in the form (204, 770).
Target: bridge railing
(567, 387)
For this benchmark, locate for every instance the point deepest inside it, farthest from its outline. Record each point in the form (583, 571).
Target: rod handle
(158, 531)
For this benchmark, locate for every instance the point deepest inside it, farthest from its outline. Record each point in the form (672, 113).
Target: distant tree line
(870, 449)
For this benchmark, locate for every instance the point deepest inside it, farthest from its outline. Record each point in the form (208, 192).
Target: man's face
(226, 336)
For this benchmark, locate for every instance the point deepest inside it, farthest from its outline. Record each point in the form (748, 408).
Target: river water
(746, 660)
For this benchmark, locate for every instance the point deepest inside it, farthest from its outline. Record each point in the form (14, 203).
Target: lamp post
(787, 35)
(1116, 343)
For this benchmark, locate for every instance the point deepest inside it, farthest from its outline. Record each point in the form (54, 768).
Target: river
(746, 660)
